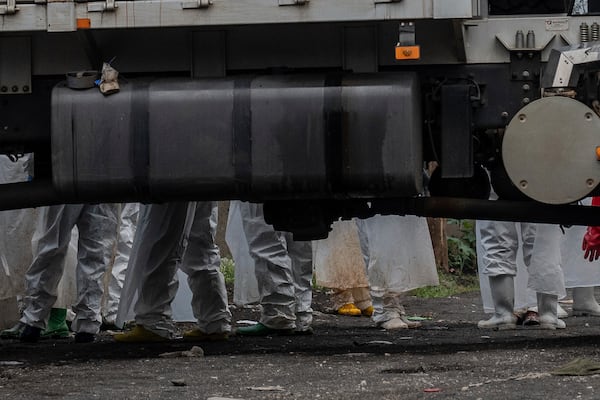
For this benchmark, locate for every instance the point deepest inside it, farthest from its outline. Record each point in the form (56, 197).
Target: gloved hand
(591, 243)
(591, 239)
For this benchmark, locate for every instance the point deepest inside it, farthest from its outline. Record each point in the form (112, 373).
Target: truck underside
(320, 109)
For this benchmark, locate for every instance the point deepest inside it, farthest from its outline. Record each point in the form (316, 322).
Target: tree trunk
(437, 230)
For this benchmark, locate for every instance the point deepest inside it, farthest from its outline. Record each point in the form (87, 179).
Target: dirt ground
(346, 358)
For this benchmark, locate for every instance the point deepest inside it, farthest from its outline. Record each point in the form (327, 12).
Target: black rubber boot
(30, 334)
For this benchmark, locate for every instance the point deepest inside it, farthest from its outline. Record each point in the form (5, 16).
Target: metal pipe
(28, 194)
(499, 210)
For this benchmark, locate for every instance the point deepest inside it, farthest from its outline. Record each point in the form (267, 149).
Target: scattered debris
(178, 382)
(372, 342)
(195, 351)
(246, 322)
(109, 83)
(223, 398)
(522, 377)
(435, 328)
(379, 342)
(266, 388)
(579, 366)
(417, 318)
(10, 363)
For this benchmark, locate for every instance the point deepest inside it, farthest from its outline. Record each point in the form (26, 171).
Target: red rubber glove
(591, 239)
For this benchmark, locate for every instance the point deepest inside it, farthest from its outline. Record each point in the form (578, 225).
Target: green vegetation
(462, 255)
(227, 269)
(462, 264)
(450, 284)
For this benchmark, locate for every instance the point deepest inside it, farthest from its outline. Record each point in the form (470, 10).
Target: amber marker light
(408, 52)
(84, 23)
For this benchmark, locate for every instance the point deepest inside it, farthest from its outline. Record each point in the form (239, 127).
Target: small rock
(178, 382)
(195, 351)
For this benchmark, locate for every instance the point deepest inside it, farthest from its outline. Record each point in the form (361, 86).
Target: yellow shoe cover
(200, 336)
(367, 312)
(349, 310)
(139, 334)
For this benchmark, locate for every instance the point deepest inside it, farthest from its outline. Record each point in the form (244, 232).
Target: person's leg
(41, 280)
(302, 271)
(343, 303)
(388, 311)
(273, 272)
(97, 226)
(584, 302)
(202, 264)
(500, 243)
(362, 300)
(126, 232)
(157, 252)
(545, 275)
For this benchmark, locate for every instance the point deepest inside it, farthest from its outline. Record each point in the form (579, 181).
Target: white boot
(584, 302)
(547, 312)
(503, 295)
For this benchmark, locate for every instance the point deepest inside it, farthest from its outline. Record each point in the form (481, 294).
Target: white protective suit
(578, 271)
(115, 273)
(283, 271)
(538, 270)
(97, 225)
(170, 236)
(399, 257)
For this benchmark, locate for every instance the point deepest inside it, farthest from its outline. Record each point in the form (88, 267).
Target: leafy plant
(462, 255)
(228, 270)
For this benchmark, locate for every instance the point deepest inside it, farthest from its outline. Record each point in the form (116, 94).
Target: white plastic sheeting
(399, 253)
(338, 261)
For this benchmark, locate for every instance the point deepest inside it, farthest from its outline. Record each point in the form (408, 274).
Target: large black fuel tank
(253, 138)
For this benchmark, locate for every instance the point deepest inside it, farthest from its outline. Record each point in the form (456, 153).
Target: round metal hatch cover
(549, 150)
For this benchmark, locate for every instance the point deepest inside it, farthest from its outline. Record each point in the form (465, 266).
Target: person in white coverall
(170, 236)
(283, 270)
(399, 257)
(97, 225)
(580, 275)
(541, 255)
(116, 272)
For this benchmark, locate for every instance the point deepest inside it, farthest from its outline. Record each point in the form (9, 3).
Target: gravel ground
(346, 358)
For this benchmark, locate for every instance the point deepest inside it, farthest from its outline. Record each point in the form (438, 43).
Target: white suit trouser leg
(127, 225)
(500, 242)
(97, 226)
(302, 267)
(387, 304)
(273, 268)
(164, 231)
(202, 264)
